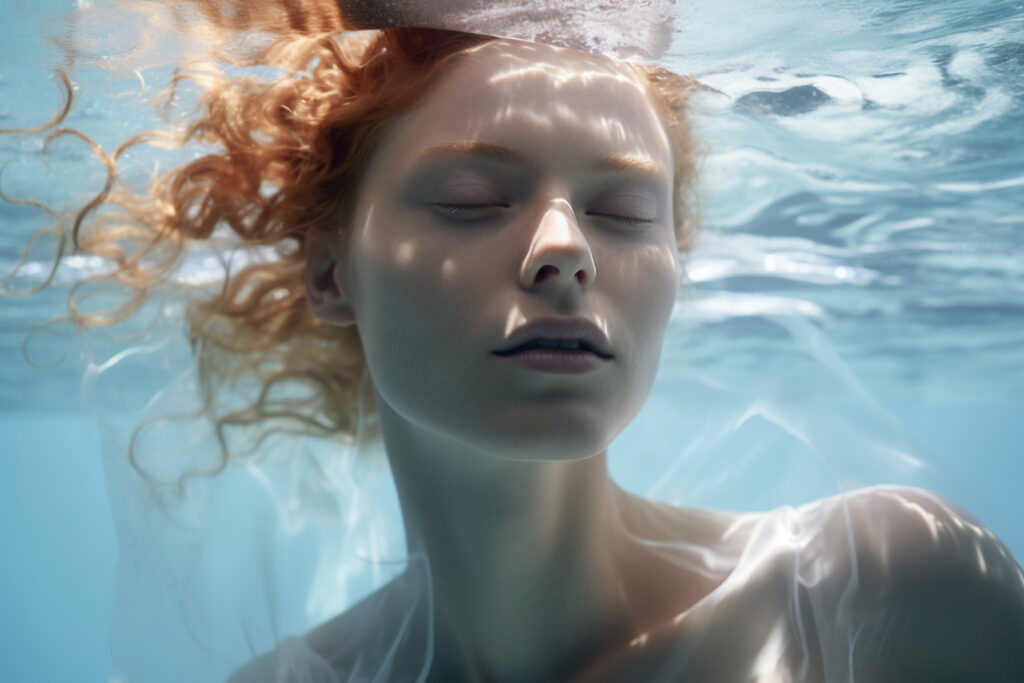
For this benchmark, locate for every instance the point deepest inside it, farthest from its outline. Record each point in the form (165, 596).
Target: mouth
(557, 337)
(560, 346)
(556, 356)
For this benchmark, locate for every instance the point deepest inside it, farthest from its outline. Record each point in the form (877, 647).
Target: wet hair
(283, 156)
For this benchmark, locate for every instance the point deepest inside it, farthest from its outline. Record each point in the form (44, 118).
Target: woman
(489, 232)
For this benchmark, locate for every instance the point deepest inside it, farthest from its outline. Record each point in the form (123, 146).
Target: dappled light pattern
(250, 524)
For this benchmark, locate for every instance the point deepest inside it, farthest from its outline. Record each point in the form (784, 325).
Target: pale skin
(502, 471)
(536, 182)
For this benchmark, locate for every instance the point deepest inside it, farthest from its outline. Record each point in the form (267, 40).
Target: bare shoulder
(906, 532)
(889, 583)
(941, 597)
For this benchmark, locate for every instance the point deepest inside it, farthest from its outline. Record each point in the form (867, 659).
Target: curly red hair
(284, 156)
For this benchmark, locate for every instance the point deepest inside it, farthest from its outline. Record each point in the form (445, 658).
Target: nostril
(546, 272)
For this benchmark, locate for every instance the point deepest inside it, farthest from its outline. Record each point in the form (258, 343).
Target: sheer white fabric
(796, 589)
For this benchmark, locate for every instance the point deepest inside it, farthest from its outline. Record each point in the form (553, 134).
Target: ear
(325, 276)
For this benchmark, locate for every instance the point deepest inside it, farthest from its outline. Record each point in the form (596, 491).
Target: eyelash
(451, 210)
(631, 220)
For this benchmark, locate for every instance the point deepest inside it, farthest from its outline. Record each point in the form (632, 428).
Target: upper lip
(590, 335)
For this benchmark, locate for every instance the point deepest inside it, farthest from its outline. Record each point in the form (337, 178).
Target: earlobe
(324, 276)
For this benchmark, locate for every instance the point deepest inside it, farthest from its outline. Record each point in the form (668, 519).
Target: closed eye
(631, 220)
(466, 211)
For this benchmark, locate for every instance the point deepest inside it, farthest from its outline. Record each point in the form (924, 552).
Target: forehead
(569, 105)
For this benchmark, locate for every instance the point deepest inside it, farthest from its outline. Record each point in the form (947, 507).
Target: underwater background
(855, 313)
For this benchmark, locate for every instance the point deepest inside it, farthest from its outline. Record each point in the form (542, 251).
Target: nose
(559, 255)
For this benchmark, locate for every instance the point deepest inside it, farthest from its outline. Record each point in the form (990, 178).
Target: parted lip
(589, 335)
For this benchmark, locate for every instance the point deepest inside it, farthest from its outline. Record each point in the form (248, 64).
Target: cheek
(646, 306)
(415, 317)
(396, 328)
(649, 287)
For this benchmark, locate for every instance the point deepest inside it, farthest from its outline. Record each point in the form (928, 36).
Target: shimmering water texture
(866, 174)
(863, 199)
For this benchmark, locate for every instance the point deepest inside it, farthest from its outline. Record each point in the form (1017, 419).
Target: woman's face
(531, 182)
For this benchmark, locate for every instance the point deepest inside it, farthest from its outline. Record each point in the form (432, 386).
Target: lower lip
(560, 362)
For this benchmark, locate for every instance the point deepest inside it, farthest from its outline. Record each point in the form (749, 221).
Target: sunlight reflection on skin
(555, 157)
(555, 77)
(544, 103)
(717, 596)
(782, 589)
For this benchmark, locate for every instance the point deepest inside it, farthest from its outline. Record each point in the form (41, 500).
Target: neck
(525, 557)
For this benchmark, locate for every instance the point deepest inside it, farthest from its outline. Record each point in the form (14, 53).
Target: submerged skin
(502, 472)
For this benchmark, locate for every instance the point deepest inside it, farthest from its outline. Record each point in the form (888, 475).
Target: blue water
(856, 313)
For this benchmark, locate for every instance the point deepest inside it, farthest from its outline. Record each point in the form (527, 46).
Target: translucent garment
(820, 593)
(258, 561)
(295, 561)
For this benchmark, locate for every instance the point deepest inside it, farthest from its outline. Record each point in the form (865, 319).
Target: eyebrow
(507, 155)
